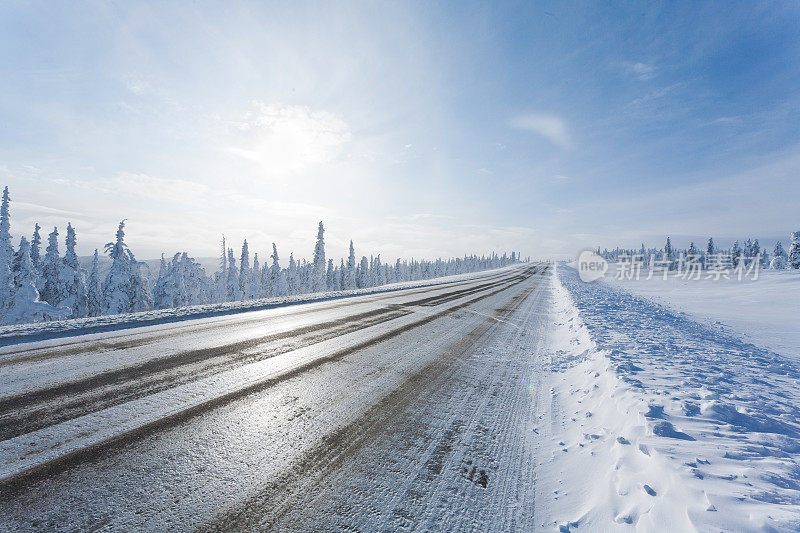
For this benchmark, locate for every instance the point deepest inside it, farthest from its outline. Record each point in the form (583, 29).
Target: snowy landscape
(353, 266)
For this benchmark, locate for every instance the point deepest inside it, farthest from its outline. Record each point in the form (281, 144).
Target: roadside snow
(658, 422)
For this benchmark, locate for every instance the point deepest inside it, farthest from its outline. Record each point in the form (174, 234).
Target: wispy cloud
(640, 71)
(551, 127)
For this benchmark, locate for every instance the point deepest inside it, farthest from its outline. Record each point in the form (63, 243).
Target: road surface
(406, 409)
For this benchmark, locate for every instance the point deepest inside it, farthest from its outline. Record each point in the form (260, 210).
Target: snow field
(763, 311)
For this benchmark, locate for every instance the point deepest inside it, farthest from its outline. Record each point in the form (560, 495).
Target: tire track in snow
(30, 411)
(321, 471)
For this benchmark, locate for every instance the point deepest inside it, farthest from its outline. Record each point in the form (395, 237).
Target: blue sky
(415, 128)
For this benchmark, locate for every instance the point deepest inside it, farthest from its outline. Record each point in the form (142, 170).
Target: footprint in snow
(666, 429)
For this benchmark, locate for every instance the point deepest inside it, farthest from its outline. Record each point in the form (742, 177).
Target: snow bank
(658, 422)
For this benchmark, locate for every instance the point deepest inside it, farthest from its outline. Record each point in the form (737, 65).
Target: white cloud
(289, 139)
(551, 127)
(640, 71)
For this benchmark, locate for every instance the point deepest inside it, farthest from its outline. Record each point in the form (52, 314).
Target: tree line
(36, 286)
(713, 256)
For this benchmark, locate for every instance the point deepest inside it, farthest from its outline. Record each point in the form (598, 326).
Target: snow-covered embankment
(659, 423)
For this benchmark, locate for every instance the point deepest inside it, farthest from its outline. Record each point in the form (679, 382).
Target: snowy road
(379, 411)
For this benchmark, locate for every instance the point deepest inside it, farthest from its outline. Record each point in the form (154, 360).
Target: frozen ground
(765, 312)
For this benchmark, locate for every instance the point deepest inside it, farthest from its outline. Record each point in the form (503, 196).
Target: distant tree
(794, 251)
(52, 290)
(7, 288)
(233, 289)
(330, 280)
(736, 253)
(72, 279)
(291, 276)
(780, 259)
(669, 253)
(181, 282)
(710, 249)
(117, 288)
(94, 297)
(36, 244)
(363, 273)
(255, 278)
(342, 282)
(276, 275)
(245, 292)
(350, 276)
(755, 251)
(318, 280)
(221, 276)
(5, 226)
(25, 305)
(305, 272)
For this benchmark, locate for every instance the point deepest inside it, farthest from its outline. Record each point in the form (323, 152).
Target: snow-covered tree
(181, 282)
(755, 251)
(363, 273)
(233, 289)
(256, 290)
(141, 296)
(291, 276)
(245, 292)
(6, 249)
(277, 278)
(72, 279)
(331, 277)
(669, 253)
(117, 287)
(36, 244)
(342, 282)
(25, 305)
(318, 278)
(221, 276)
(794, 251)
(736, 253)
(350, 276)
(780, 259)
(94, 296)
(305, 274)
(52, 291)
